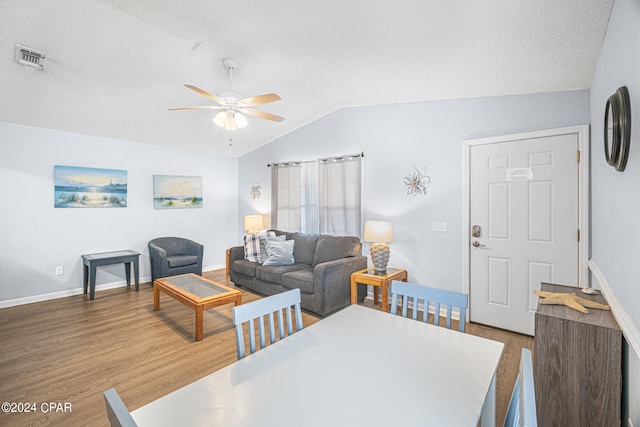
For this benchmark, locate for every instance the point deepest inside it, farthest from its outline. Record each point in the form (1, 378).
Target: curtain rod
(297, 162)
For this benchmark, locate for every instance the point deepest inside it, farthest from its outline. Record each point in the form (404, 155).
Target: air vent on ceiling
(29, 57)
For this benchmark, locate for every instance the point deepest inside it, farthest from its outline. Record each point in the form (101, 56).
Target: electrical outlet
(439, 226)
(59, 270)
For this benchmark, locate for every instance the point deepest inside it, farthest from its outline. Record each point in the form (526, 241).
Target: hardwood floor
(68, 351)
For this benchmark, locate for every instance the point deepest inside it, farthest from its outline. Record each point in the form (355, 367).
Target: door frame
(582, 132)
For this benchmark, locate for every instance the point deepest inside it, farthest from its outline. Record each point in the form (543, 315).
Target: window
(321, 197)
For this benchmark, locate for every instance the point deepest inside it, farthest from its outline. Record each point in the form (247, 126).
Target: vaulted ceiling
(113, 67)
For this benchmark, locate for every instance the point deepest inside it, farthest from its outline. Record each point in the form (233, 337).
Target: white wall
(36, 237)
(395, 137)
(615, 216)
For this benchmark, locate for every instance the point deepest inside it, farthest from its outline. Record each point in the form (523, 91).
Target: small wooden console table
(91, 261)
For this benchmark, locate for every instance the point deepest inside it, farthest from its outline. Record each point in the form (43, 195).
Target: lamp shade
(253, 222)
(378, 231)
(230, 120)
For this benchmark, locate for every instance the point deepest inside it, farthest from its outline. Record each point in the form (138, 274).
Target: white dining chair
(117, 412)
(248, 313)
(522, 407)
(428, 295)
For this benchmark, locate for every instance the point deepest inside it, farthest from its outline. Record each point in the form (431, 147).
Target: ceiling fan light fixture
(230, 119)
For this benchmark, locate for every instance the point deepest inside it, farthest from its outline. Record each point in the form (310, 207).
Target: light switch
(439, 226)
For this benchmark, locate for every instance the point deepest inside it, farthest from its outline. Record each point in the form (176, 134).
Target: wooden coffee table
(195, 292)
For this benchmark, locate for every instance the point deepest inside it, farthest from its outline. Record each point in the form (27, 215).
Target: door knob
(477, 244)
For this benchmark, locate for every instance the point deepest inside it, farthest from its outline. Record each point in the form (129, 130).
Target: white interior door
(523, 199)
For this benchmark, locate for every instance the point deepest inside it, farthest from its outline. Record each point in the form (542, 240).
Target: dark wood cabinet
(577, 364)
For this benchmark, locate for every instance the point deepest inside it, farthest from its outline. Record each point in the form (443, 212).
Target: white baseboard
(63, 294)
(629, 328)
(80, 290)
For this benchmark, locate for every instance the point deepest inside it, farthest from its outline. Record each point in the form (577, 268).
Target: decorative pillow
(267, 238)
(252, 247)
(279, 253)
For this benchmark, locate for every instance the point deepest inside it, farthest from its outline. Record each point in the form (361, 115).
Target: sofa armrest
(332, 279)
(159, 263)
(234, 253)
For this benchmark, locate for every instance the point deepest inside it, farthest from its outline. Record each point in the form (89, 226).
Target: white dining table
(357, 367)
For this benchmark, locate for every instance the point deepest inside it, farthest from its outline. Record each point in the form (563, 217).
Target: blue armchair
(171, 256)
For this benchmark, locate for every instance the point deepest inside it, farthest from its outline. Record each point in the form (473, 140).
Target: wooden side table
(368, 276)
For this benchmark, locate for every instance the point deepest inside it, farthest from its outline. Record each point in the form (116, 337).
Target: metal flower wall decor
(416, 182)
(255, 190)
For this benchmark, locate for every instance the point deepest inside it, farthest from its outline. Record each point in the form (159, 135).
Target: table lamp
(253, 223)
(379, 233)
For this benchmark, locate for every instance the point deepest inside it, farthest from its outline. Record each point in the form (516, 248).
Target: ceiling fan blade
(204, 93)
(258, 100)
(261, 114)
(202, 107)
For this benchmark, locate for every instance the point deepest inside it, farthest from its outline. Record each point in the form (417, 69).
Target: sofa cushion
(305, 247)
(330, 248)
(252, 247)
(242, 266)
(181, 260)
(279, 253)
(301, 279)
(274, 273)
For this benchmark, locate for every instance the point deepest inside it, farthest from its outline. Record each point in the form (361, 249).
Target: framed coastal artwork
(81, 187)
(177, 192)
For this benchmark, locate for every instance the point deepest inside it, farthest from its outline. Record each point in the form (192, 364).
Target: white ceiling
(113, 67)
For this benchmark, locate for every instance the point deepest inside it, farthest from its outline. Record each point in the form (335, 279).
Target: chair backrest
(118, 414)
(266, 307)
(428, 295)
(522, 407)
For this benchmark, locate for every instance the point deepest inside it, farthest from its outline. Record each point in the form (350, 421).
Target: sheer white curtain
(320, 197)
(339, 185)
(309, 221)
(285, 196)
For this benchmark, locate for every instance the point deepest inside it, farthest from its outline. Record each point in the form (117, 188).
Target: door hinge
(578, 235)
(578, 156)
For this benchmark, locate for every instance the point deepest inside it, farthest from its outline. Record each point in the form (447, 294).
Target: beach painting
(176, 192)
(80, 187)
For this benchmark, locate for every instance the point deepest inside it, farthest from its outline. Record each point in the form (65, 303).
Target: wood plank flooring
(68, 351)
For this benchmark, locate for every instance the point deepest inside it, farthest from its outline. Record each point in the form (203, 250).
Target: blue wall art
(175, 192)
(80, 187)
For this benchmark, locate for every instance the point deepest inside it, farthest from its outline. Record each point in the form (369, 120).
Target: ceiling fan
(233, 108)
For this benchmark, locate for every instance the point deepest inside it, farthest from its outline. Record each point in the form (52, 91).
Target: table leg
(488, 416)
(239, 300)
(85, 277)
(199, 321)
(385, 296)
(376, 294)
(92, 281)
(156, 297)
(136, 274)
(354, 291)
(127, 272)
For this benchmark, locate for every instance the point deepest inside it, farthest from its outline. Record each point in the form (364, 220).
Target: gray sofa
(322, 271)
